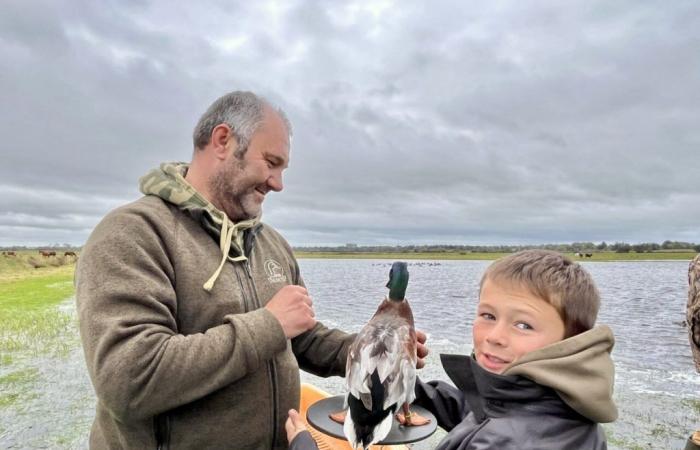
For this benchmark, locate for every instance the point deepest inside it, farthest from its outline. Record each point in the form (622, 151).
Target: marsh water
(657, 389)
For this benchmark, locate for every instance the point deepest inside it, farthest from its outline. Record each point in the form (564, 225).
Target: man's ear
(223, 141)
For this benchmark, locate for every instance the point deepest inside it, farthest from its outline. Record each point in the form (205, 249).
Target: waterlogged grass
(31, 320)
(616, 442)
(693, 404)
(44, 401)
(32, 324)
(652, 428)
(16, 386)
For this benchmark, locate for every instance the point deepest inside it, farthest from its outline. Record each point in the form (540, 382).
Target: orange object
(311, 394)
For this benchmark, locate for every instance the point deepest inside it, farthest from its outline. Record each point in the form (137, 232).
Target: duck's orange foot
(338, 416)
(413, 419)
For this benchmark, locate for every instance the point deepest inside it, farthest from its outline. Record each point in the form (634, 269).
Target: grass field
(32, 325)
(596, 256)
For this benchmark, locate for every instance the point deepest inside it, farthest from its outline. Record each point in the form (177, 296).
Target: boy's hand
(294, 425)
(421, 350)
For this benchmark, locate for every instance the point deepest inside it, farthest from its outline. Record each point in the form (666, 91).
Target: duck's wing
(387, 345)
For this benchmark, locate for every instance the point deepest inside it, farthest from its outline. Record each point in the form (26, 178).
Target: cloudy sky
(492, 122)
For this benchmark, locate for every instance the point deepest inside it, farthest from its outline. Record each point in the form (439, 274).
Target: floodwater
(643, 302)
(656, 386)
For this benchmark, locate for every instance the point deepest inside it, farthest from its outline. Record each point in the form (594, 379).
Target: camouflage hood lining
(168, 182)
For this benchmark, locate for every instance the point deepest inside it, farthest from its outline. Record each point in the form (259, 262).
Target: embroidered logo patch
(274, 271)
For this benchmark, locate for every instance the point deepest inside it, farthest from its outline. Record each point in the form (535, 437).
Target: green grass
(401, 256)
(32, 324)
(619, 442)
(597, 256)
(693, 404)
(29, 298)
(16, 386)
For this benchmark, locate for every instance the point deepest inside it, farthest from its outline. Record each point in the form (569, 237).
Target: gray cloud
(486, 123)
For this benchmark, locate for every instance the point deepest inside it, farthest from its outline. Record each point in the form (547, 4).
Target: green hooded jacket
(180, 351)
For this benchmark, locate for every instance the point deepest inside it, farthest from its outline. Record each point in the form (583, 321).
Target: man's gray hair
(242, 111)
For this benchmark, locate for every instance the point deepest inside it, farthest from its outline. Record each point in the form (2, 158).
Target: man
(193, 315)
(693, 321)
(693, 310)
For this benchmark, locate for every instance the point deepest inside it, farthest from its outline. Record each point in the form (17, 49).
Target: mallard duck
(381, 367)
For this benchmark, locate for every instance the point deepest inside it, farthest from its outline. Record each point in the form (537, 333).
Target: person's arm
(139, 365)
(446, 402)
(303, 441)
(322, 351)
(298, 436)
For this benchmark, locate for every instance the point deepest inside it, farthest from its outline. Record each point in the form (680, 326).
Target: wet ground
(656, 387)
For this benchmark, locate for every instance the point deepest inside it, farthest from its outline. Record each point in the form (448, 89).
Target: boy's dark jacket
(551, 399)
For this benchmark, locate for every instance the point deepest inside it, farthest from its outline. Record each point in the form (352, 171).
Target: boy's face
(510, 321)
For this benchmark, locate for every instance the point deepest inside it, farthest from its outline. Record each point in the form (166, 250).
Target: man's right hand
(293, 308)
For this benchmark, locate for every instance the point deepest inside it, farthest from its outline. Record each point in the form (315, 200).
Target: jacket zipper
(162, 431)
(272, 369)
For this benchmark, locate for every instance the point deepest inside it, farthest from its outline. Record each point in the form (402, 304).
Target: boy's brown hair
(555, 279)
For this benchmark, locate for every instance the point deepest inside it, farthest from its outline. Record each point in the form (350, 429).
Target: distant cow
(578, 254)
(46, 254)
(588, 255)
(10, 253)
(70, 254)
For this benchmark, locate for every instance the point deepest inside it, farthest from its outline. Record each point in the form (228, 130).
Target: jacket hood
(579, 369)
(492, 395)
(168, 182)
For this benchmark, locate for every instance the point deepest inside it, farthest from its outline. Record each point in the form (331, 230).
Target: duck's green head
(398, 280)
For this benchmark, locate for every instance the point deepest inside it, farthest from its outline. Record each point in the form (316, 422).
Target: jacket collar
(493, 395)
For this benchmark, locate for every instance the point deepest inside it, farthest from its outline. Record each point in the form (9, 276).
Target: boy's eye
(488, 316)
(524, 326)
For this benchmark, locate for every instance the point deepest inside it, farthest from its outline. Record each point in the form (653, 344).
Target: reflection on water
(643, 302)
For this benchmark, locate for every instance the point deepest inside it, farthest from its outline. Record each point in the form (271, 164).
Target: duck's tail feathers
(367, 435)
(349, 430)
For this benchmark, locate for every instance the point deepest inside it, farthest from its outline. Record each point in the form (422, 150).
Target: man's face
(510, 322)
(240, 186)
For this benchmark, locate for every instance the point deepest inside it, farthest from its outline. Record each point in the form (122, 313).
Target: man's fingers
(307, 300)
(422, 351)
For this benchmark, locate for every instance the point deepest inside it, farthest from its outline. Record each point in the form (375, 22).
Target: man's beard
(232, 193)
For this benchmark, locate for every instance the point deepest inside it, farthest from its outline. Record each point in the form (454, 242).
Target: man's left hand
(421, 350)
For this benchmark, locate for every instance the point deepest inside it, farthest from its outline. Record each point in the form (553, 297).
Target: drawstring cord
(225, 244)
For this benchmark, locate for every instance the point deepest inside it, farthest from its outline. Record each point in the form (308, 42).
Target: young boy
(540, 375)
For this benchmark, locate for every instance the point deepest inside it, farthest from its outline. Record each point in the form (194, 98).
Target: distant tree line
(55, 246)
(618, 247)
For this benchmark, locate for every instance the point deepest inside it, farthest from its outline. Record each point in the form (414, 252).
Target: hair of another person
(242, 111)
(554, 278)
